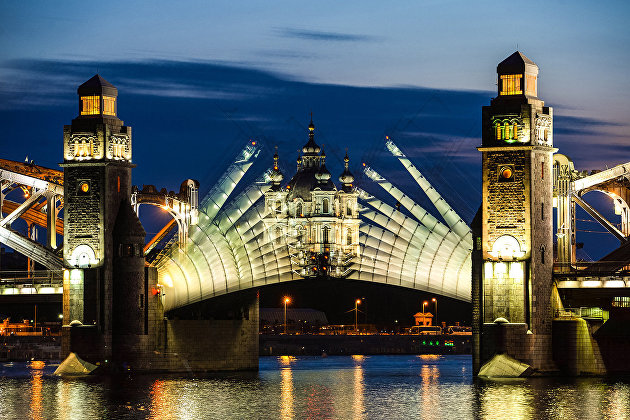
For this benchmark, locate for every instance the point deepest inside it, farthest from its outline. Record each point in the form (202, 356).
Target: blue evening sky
(196, 79)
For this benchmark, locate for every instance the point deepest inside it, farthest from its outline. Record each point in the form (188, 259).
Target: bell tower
(515, 243)
(97, 177)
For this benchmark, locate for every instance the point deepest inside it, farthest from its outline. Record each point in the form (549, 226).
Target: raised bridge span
(227, 243)
(245, 240)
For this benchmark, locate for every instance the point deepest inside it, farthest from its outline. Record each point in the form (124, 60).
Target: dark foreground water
(343, 387)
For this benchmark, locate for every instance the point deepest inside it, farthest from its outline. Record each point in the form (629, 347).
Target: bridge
(239, 238)
(230, 249)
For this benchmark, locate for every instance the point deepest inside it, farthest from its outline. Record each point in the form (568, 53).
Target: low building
(424, 318)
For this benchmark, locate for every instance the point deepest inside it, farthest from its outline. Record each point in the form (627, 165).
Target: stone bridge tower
(514, 243)
(97, 178)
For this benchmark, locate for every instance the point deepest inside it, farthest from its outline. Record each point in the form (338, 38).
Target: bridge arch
(243, 244)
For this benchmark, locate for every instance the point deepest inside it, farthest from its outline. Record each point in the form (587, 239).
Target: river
(336, 387)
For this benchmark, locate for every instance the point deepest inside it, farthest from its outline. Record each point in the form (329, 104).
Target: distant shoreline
(315, 345)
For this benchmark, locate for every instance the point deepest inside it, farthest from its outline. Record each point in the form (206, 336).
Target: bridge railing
(31, 282)
(582, 312)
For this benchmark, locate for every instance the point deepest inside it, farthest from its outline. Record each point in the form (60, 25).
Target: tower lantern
(517, 75)
(97, 98)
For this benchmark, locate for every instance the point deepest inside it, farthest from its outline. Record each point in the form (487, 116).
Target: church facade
(318, 223)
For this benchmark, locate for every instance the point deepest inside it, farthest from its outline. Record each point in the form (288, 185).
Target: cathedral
(318, 223)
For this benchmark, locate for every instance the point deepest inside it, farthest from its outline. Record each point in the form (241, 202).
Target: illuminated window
(511, 84)
(349, 237)
(118, 149)
(109, 105)
(325, 205)
(506, 130)
(90, 105)
(530, 85)
(83, 148)
(326, 234)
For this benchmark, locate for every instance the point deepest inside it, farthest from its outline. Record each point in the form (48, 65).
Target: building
(424, 318)
(316, 221)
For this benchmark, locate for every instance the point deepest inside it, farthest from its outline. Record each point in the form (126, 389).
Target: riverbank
(19, 348)
(315, 345)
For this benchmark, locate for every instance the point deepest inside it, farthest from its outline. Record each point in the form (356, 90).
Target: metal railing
(31, 282)
(582, 312)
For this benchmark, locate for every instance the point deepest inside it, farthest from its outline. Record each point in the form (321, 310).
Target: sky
(198, 79)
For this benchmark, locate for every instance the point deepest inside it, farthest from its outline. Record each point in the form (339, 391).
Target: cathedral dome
(276, 175)
(346, 177)
(323, 175)
(311, 148)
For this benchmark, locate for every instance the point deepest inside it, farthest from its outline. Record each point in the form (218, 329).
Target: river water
(341, 387)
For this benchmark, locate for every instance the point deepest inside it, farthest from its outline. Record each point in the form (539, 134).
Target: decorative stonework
(544, 135)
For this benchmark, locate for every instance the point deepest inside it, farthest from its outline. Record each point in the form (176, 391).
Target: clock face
(84, 187)
(506, 173)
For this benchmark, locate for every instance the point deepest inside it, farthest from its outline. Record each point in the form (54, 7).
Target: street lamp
(434, 300)
(286, 302)
(356, 311)
(424, 316)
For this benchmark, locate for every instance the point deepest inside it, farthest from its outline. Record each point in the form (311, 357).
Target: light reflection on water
(353, 387)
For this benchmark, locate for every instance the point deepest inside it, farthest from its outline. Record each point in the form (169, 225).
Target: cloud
(569, 125)
(311, 35)
(190, 118)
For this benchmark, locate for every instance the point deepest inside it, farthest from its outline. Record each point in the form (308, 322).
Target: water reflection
(430, 375)
(358, 404)
(161, 404)
(36, 388)
(506, 400)
(286, 393)
(357, 387)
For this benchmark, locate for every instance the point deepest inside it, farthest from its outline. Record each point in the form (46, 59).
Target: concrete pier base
(190, 340)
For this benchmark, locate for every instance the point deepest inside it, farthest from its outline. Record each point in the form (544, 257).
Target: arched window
(278, 235)
(349, 237)
(325, 205)
(326, 234)
(278, 206)
(508, 131)
(498, 130)
(348, 210)
(515, 130)
(299, 210)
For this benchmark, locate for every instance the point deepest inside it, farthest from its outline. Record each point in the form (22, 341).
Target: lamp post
(424, 315)
(286, 302)
(356, 312)
(434, 300)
